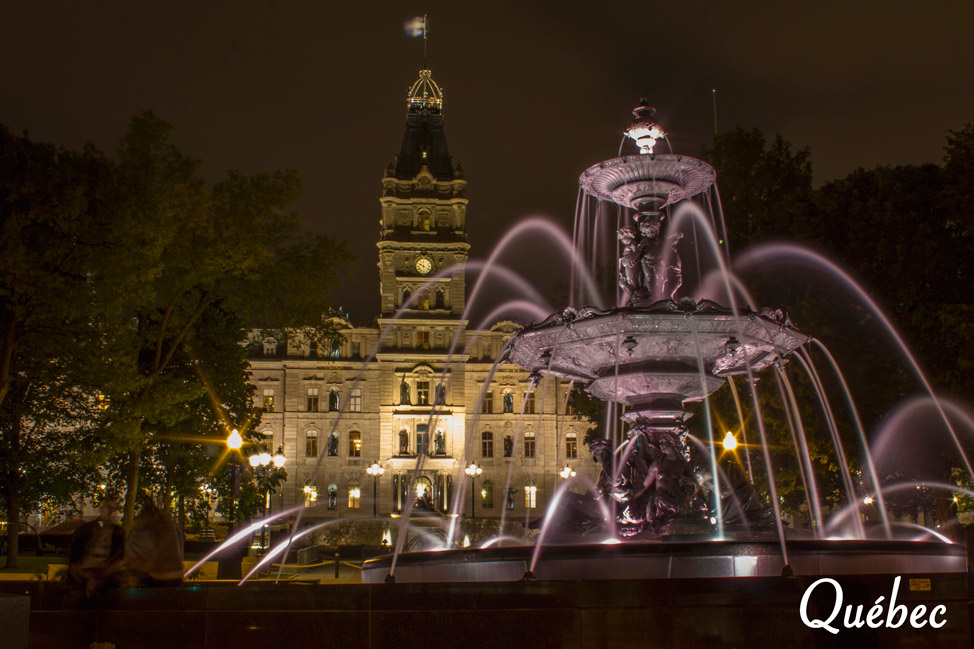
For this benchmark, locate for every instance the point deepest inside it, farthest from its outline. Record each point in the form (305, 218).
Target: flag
(416, 26)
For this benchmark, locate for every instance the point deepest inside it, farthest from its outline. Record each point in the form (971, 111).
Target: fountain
(662, 507)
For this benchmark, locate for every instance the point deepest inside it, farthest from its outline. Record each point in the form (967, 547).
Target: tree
(50, 220)
(181, 253)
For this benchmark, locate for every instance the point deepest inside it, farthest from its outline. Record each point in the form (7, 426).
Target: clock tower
(423, 239)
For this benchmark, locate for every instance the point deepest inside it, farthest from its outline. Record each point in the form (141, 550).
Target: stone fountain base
(672, 560)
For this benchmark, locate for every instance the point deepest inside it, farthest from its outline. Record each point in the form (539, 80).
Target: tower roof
(424, 143)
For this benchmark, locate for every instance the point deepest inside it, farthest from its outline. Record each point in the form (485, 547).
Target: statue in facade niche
(333, 445)
(404, 392)
(439, 443)
(508, 446)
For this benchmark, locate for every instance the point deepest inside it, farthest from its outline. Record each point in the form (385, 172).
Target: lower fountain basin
(672, 560)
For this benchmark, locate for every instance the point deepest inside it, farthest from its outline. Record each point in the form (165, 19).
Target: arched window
(403, 442)
(571, 446)
(423, 220)
(529, 448)
(333, 445)
(530, 496)
(487, 494)
(487, 444)
(333, 400)
(508, 402)
(311, 443)
(354, 495)
(354, 444)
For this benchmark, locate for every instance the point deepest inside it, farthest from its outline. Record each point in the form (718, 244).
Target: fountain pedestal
(653, 360)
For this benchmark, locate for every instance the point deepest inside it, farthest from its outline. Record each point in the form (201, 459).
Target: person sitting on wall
(95, 552)
(153, 550)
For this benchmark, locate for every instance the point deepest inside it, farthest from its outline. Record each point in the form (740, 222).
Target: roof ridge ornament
(425, 95)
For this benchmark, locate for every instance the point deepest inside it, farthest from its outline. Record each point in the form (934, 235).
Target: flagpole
(714, 93)
(425, 39)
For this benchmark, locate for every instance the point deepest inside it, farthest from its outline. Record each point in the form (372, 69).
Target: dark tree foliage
(904, 234)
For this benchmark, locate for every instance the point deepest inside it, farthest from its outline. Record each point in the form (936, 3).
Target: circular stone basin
(675, 351)
(638, 180)
(672, 560)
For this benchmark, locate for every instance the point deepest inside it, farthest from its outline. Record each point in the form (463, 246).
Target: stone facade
(418, 393)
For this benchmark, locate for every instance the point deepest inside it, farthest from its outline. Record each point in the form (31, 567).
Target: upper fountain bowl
(647, 182)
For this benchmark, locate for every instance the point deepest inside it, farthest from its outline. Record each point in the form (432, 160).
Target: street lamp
(234, 443)
(260, 462)
(473, 471)
(730, 442)
(375, 471)
(567, 472)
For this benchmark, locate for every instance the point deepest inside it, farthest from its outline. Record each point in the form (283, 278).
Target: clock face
(423, 265)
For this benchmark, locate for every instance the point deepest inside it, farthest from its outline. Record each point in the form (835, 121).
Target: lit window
(354, 494)
(355, 444)
(311, 443)
(529, 443)
(487, 494)
(423, 221)
(310, 495)
(333, 400)
(422, 439)
(422, 393)
(530, 496)
(423, 339)
(312, 399)
(270, 346)
(355, 400)
(487, 444)
(571, 446)
(529, 407)
(488, 407)
(268, 400)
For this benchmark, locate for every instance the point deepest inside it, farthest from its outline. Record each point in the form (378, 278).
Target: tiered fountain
(662, 508)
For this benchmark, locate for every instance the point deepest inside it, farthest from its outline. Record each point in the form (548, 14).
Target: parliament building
(395, 394)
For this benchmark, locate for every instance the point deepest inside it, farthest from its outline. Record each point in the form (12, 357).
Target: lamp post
(260, 462)
(473, 471)
(234, 443)
(567, 472)
(376, 470)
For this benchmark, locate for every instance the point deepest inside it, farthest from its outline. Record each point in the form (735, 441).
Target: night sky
(533, 94)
